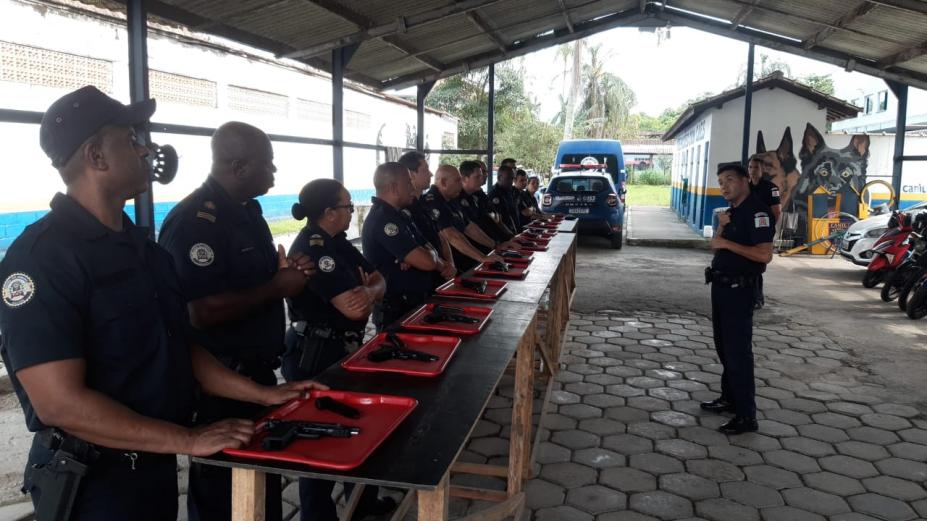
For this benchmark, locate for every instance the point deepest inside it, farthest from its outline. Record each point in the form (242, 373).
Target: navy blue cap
(78, 115)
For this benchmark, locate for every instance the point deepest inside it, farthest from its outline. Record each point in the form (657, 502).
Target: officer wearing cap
(96, 337)
(235, 282)
(768, 193)
(474, 203)
(743, 248)
(502, 198)
(396, 249)
(329, 317)
(441, 201)
(421, 180)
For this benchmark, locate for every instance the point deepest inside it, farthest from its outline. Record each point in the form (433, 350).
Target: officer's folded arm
(357, 303)
(61, 399)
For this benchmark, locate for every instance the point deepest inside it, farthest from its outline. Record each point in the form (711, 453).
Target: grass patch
(285, 226)
(648, 195)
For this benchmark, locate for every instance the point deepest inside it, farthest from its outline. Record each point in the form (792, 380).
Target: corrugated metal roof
(404, 42)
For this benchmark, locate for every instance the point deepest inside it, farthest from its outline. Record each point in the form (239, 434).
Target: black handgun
(527, 244)
(393, 352)
(281, 433)
(509, 254)
(326, 403)
(435, 317)
(500, 266)
(478, 286)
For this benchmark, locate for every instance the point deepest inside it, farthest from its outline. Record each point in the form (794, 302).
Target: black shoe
(739, 425)
(717, 405)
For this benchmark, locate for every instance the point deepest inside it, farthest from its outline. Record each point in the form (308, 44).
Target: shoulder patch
(391, 230)
(464, 203)
(316, 240)
(761, 220)
(429, 196)
(495, 200)
(775, 192)
(202, 255)
(18, 290)
(206, 216)
(406, 213)
(326, 264)
(209, 205)
(435, 214)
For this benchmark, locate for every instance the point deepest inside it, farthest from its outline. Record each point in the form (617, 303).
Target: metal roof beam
(484, 27)
(911, 6)
(843, 21)
(566, 16)
(400, 25)
(903, 56)
(743, 14)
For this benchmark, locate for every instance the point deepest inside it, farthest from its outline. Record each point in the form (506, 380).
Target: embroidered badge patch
(316, 240)
(406, 213)
(326, 264)
(391, 230)
(435, 213)
(464, 203)
(495, 200)
(207, 216)
(775, 192)
(760, 220)
(201, 254)
(18, 289)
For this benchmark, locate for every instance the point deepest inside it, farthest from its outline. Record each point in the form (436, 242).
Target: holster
(57, 482)
(708, 275)
(309, 346)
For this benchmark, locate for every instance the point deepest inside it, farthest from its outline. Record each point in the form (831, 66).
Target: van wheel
(616, 240)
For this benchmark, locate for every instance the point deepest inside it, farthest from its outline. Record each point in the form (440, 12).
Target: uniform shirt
(444, 213)
(766, 191)
(74, 289)
(503, 203)
(523, 200)
(424, 222)
(487, 215)
(337, 262)
(221, 246)
(751, 223)
(387, 237)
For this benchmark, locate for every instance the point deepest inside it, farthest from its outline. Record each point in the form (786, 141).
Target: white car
(857, 243)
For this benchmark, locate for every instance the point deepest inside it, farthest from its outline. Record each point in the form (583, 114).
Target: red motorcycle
(892, 248)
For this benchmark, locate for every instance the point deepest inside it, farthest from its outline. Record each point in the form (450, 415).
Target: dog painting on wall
(779, 165)
(840, 171)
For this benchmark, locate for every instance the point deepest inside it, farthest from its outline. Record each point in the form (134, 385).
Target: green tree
(820, 82)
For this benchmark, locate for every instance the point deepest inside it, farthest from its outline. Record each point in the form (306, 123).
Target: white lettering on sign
(696, 132)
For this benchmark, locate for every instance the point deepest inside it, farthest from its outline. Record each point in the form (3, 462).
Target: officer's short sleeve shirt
(388, 236)
(767, 192)
(752, 223)
(445, 214)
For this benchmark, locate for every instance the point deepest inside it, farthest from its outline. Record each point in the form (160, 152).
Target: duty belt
(326, 332)
(728, 279)
(89, 454)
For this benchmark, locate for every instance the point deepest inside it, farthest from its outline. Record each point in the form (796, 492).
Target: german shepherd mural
(779, 165)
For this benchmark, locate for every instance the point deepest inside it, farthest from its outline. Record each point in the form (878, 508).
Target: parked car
(857, 244)
(590, 196)
(571, 153)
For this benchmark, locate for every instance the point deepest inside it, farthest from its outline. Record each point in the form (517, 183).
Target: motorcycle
(898, 284)
(890, 250)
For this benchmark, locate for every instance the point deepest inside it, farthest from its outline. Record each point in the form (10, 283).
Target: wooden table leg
(247, 495)
(520, 443)
(433, 505)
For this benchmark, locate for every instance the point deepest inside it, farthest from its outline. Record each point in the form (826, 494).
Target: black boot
(717, 405)
(739, 425)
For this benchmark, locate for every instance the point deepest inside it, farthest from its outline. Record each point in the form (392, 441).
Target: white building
(879, 110)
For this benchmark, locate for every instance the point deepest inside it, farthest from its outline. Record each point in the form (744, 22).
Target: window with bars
(256, 101)
(47, 68)
(177, 88)
(307, 110)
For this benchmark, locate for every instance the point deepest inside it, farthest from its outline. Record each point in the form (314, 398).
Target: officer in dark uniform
(525, 202)
(768, 193)
(502, 199)
(396, 249)
(743, 248)
(441, 201)
(421, 176)
(475, 204)
(235, 281)
(329, 317)
(96, 336)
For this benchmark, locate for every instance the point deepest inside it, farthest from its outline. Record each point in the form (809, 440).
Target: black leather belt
(90, 454)
(732, 280)
(326, 332)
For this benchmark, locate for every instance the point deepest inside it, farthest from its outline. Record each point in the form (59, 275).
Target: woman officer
(329, 316)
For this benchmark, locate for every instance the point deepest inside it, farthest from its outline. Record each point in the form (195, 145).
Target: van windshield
(610, 160)
(565, 185)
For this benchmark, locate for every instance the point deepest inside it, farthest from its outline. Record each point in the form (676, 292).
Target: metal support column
(421, 94)
(901, 124)
(340, 59)
(137, 28)
(491, 123)
(748, 108)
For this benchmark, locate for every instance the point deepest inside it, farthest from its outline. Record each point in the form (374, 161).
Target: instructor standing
(768, 193)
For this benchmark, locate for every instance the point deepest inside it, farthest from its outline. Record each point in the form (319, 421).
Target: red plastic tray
(452, 288)
(542, 233)
(515, 272)
(416, 320)
(528, 256)
(440, 346)
(545, 225)
(543, 241)
(380, 415)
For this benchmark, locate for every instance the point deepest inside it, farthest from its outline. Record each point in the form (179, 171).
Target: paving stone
(848, 466)
(832, 419)
(756, 441)
(564, 397)
(598, 458)
(562, 513)
(661, 504)
(703, 377)
(862, 450)
(603, 379)
(788, 513)
(823, 433)
(808, 446)
(689, 486)
(688, 406)
(725, 510)
(872, 435)
(628, 480)
(668, 393)
(885, 421)
(834, 483)
(583, 388)
(852, 409)
(774, 393)
(575, 439)
(648, 403)
(702, 436)
(580, 411)
(904, 469)
(735, 455)
(686, 385)
(644, 382)
(882, 507)
(777, 429)
(552, 453)
(719, 471)
(651, 430)
(543, 494)
(793, 461)
(914, 435)
(912, 451)
(921, 507)
(674, 418)
(625, 391)
(626, 414)
(681, 449)
(602, 426)
(627, 444)
(815, 501)
(788, 416)
(603, 401)
(664, 374)
(624, 371)
(596, 499)
(905, 411)
(896, 488)
(751, 494)
(570, 475)
(626, 515)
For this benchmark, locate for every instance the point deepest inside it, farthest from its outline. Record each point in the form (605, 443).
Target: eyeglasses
(350, 207)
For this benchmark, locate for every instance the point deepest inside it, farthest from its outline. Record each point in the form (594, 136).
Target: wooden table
(525, 331)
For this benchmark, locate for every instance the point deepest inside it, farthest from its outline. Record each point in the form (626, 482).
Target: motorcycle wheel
(872, 279)
(891, 288)
(917, 304)
(908, 289)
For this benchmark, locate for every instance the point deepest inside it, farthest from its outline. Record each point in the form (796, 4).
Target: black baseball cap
(78, 115)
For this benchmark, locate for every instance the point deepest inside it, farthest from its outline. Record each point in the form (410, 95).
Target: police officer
(329, 317)
(421, 176)
(441, 201)
(743, 248)
(534, 184)
(396, 249)
(235, 281)
(95, 333)
(768, 193)
(502, 199)
(475, 204)
(525, 202)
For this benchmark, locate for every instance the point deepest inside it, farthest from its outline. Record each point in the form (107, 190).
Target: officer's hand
(225, 434)
(448, 271)
(360, 298)
(493, 258)
(508, 245)
(302, 262)
(718, 243)
(278, 394)
(724, 218)
(287, 282)
(364, 276)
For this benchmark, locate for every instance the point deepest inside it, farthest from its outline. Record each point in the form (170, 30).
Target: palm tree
(607, 99)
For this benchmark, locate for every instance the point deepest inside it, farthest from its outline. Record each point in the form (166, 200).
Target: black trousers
(210, 489)
(315, 495)
(732, 320)
(758, 298)
(115, 492)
